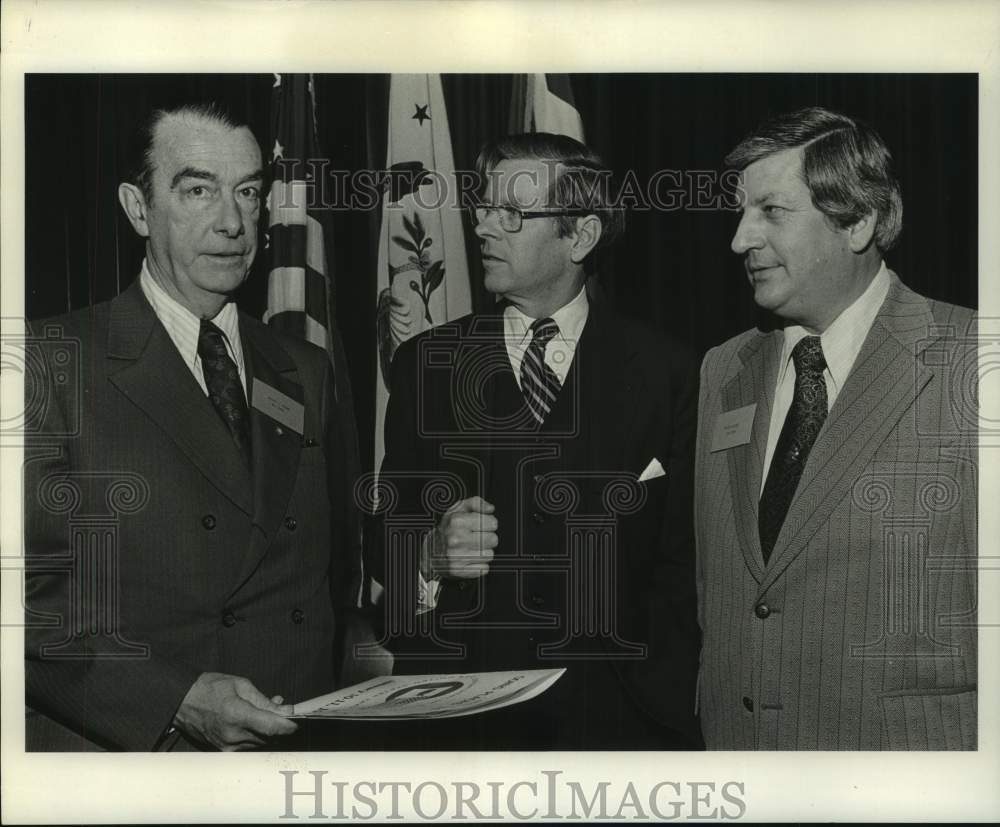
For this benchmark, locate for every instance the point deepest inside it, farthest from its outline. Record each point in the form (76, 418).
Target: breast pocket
(312, 453)
(624, 497)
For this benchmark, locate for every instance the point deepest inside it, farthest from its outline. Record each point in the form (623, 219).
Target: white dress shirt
(841, 343)
(560, 349)
(183, 328)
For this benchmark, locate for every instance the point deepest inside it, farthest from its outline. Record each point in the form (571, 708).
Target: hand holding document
(408, 697)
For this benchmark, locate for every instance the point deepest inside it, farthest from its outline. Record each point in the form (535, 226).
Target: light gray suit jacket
(860, 632)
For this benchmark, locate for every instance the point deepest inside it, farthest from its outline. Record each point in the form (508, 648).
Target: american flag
(300, 289)
(300, 285)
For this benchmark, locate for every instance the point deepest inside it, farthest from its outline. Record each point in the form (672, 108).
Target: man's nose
(489, 227)
(747, 236)
(229, 220)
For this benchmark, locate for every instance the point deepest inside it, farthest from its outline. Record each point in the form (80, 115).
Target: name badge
(278, 406)
(732, 428)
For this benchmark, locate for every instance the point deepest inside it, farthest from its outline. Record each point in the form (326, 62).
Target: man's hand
(230, 713)
(463, 542)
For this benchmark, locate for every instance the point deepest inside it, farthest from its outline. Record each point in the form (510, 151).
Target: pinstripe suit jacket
(153, 553)
(859, 633)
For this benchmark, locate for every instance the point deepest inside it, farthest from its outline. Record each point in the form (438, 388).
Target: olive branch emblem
(431, 272)
(392, 320)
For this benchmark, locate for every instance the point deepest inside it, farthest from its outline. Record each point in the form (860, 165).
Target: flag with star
(545, 103)
(423, 274)
(300, 289)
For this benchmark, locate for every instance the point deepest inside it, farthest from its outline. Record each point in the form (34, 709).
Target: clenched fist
(461, 546)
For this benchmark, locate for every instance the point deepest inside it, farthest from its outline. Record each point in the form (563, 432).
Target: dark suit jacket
(154, 554)
(594, 570)
(860, 632)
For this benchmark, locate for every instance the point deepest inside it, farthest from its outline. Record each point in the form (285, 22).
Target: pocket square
(653, 470)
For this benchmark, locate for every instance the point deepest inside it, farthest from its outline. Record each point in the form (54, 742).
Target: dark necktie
(224, 388)
(805, 418)
(539, 384)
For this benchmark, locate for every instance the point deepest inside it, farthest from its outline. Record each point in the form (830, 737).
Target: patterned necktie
(805, 418)
(538, 383)
(224, 388)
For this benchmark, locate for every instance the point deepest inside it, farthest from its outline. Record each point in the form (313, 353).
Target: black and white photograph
(493, 442)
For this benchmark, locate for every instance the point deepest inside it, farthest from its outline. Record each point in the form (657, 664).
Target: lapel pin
(278, 430)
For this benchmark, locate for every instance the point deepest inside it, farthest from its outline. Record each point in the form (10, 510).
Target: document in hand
(404, 697)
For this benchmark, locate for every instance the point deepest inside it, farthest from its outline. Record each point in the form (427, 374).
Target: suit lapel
(483, 354)
(883, 384)
(146, 368)
(754, 384)
(276, 447)
(608, 390)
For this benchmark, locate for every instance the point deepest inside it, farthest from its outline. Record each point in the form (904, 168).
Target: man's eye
(250, 192)
(773, 209)
(199, 191)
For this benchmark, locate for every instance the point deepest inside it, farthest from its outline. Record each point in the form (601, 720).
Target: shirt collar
(183, 326)
(570, 317)
(842, 340)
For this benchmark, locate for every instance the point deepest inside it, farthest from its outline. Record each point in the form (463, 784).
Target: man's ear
(134, 204)
(861, 232)
(588, 233)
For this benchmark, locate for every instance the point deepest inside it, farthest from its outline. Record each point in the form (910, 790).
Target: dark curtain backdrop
(672, 268)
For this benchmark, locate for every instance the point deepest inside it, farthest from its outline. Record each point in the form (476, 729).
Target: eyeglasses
(511, 218)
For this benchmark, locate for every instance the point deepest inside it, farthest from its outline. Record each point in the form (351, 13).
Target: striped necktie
(224, 387)
(539, 384)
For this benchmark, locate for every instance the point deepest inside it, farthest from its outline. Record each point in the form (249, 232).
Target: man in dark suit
(836, 469)
(187, 518)
(536, 487)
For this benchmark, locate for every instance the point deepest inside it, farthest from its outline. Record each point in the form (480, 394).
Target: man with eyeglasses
(548, 443)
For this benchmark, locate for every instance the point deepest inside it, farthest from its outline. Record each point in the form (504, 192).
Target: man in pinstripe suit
(196, 464)
(836, 473)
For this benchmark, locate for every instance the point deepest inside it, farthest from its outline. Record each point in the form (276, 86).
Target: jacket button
(298, 616)
(291, 524)
(748, 703)
(229, 619)
(762, 610)
(538, 517)
(208, 522)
